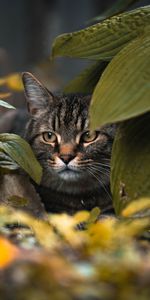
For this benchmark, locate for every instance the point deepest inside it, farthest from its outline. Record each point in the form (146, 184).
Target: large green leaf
(5, 104)
(103, 40)
(20, 151)
(87, 80)
(130, 175)
(124, 90)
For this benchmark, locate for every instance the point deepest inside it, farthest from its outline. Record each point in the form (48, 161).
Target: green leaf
(130, 166)
(5, 104)
(87, 80)
(118, 7)
(94, 214)
(6, 162)
(103, 40)
(124, 90)
(20, 151)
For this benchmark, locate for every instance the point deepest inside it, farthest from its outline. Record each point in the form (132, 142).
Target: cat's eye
(89, 136)
(49, 137)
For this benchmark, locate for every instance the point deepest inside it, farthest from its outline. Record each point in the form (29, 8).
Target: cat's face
(74, 158)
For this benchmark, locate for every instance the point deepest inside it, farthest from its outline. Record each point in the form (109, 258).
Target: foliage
(109, 257)
(87, 79)
(103, 40)
(20, 151)
(54, 259)
(15, 152)
(121, 93)
(131, 161)
(124, 83)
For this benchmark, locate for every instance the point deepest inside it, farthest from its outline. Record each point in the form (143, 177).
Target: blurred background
(27, 31)
(28, 28)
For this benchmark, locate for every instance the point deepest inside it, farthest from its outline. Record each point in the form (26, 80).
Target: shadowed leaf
(6, 162)
(131, 162)
(87, 80)
(20, 151)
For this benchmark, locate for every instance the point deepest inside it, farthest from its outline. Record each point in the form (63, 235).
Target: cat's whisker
(102, 161)
(90, 171)
(101, 169)
(106, 158)
(98, 166)
(98, 172)
(87, 161)
(57, 168)
(109, 195)
(101, 164)
(92, 163)
(51, 164)
(80, 165)
(100, 181)
(60, 185)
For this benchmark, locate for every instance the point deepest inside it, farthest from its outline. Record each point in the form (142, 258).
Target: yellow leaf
(81, 216)
(132, 228)
(8, 252)
(101, 233)
(65, 226)
(136, 206)
(13, 81)
(41, 229)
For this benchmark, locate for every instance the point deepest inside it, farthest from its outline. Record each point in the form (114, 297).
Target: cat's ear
(37, 96)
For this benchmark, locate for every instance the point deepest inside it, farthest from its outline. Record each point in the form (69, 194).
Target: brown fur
(75, 173)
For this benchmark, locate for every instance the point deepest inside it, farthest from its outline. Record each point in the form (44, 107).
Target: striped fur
(75, 173)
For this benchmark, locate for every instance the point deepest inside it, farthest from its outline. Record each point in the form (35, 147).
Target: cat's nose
(66, 158)
(66, 152)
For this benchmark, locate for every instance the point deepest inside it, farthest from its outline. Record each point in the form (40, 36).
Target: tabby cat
(75, 160)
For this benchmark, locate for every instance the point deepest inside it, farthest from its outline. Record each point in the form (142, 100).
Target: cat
(75, 160)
